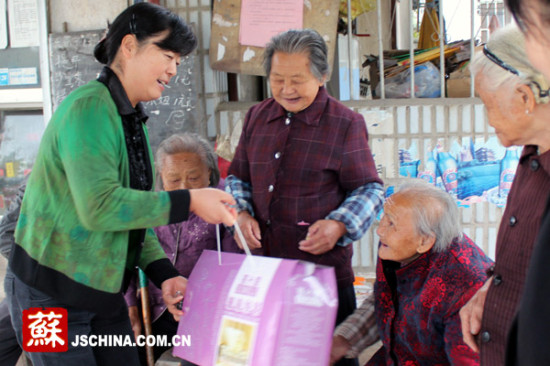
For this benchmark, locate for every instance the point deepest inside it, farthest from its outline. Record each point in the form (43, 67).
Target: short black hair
(146, 20)
(517, 8)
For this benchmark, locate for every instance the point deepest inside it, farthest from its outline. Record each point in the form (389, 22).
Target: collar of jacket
(311, 116)
(125, 108)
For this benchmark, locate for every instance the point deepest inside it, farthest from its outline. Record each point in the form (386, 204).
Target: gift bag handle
(241, 238)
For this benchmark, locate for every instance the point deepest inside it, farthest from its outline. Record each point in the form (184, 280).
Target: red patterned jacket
(417, 306)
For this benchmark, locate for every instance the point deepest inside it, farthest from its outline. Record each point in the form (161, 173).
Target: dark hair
(145, 20)
(300, 41)
(190, 143)
(517, 8)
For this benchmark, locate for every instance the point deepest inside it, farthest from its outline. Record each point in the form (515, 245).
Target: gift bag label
(235, 342)
(248, 291)
(246, 297)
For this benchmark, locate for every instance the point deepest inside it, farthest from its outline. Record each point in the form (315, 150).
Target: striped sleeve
(358, 211)
(360, 328)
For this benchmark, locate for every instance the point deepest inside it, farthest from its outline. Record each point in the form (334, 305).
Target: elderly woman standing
(527, 341)
(516, 98)
(427, 270)
(303, 174)
(183, 161)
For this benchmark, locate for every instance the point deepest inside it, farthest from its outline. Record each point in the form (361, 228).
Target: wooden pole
(146, 310)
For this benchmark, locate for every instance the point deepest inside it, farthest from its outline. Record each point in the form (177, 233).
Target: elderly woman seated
(426, 271)
(183, 161)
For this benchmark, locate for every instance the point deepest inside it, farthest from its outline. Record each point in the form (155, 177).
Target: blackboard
(72, 64)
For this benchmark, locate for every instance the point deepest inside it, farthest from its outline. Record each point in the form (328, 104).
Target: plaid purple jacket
(300, 168)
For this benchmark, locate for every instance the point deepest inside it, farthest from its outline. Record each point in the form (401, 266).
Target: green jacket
(78, 208)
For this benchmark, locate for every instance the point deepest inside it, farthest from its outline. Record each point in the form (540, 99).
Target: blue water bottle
(508, 166)
(447, 169)
(430, 169)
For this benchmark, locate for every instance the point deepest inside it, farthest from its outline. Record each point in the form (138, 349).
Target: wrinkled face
(184, 171)
(150, 70)
(292, 84)
(399, 240)
(537, 36)
(505, 112)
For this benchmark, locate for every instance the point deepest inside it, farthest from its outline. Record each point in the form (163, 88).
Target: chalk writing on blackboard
(72, 64)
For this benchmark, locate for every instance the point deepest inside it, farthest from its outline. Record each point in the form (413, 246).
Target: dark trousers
(80, 322)
(346, 306)
(9, 348)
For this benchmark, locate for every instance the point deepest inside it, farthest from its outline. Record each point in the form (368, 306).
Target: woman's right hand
(251, 231)
(213, 205)
(135, 320)
(471, 315)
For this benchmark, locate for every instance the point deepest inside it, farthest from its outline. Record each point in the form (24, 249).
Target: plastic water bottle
(508, 166)
(430, 169)
(447, 169)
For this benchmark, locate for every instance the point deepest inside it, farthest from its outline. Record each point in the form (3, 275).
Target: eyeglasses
(491, 56)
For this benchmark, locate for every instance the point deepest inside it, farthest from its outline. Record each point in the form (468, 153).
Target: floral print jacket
(417, 306)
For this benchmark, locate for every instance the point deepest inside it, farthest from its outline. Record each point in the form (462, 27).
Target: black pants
(80, 323)
(9, 348)
(346, 306)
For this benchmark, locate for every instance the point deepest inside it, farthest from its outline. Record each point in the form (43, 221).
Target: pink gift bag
(257, 311)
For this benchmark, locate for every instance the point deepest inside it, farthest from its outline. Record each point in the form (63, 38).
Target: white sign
(23, 76)
(23, 20)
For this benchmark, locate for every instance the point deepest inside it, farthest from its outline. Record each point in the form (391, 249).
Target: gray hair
(508, 44)
(306, 41)
(435, 211)
(188, 143)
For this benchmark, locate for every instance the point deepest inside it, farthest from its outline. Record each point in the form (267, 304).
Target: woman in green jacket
(84, 219)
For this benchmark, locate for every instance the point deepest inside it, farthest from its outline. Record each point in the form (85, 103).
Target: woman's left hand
(322, 236)
(173, 291)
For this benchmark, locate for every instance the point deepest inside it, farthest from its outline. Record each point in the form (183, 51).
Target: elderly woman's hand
(471, 315)
(340, 347)
(213, 205)
(173, 291)
(322, 236)
(251, 231)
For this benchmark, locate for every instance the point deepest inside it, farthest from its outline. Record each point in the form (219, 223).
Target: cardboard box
(458, 84)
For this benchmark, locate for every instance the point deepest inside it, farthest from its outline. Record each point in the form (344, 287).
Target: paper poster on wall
(474, 171)
(262, 19)
(3, 25)
(23, 23)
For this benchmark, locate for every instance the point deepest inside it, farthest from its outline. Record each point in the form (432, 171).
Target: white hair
(435, 212)
(508, 44)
